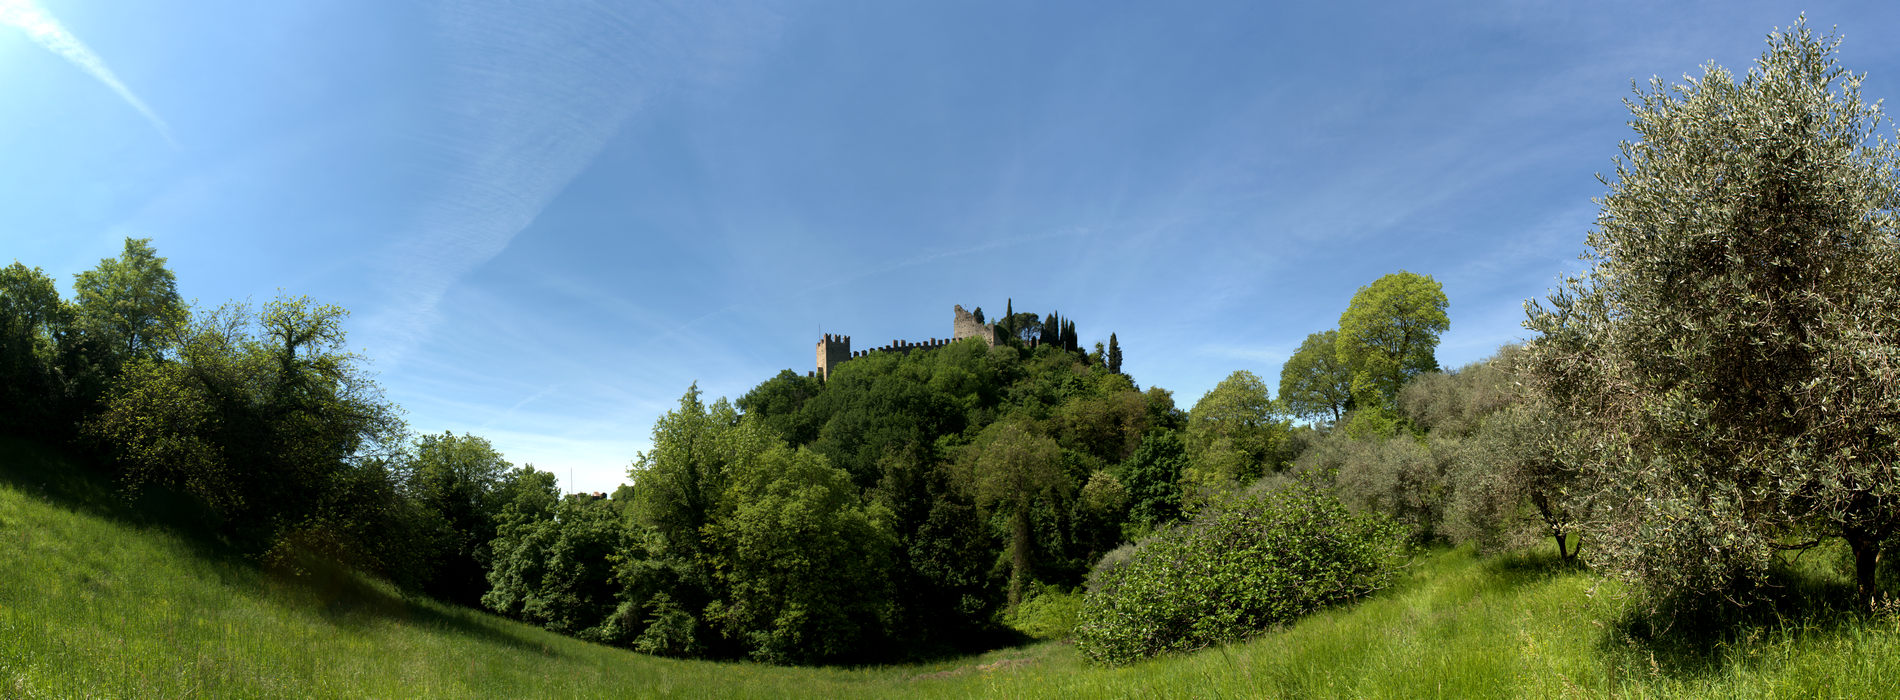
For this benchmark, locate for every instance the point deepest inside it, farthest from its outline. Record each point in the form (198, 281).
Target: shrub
(1049, 613)
(1262, 560)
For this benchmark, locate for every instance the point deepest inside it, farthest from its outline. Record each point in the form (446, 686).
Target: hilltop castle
(834, 349)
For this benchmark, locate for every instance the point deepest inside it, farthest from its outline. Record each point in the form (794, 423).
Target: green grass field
(95, 604)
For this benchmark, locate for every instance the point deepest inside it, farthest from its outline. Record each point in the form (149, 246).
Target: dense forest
(1718, 389)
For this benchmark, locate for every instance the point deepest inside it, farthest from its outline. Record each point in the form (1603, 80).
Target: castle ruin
(835, 349)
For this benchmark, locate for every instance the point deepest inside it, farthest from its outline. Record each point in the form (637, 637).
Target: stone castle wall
(834, 349)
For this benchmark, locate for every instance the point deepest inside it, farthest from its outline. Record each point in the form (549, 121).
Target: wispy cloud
(46, 31)
(534, 94)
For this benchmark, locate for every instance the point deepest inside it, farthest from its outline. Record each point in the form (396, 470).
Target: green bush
(1261, 560)
(1050, 613)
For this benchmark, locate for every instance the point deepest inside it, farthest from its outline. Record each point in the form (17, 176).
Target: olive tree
(1729, 355)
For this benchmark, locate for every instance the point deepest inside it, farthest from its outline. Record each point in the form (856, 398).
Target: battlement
(834, 349)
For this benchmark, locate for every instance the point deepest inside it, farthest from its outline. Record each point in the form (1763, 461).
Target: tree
(458, 478)
(1153, 478)
(1114, 356)
(32, 319)
(556, 568)
(1051, 331)
(1389, 333)
(1012, 468)
(259, 416)
(778, 402)
(1314, 383)
(804, 562)
(130, 302)
(1728, 353)
(1234, 435)
(1026, 327)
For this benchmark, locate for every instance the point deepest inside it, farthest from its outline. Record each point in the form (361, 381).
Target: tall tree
(1012, 468)
(458, 478)
(1389, 334)
(1234, 435)
(129, 303)
(1051, 329)
(1314, 383)
(1729, 352)
(1114, 357)
(260, 415)
(32, 319)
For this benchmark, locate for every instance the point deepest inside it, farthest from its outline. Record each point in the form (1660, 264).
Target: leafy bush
(1262, 560)
(1049, 613)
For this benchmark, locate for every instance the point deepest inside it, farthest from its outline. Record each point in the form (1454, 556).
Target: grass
(96, 603)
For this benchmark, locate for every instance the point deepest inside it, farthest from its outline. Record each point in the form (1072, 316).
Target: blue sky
(548, 219)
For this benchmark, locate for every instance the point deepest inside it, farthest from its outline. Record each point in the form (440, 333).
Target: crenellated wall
(833, 349)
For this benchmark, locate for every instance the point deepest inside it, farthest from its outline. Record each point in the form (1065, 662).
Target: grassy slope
(95, 605)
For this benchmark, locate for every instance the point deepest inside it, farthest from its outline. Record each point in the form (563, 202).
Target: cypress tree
(1114, 359)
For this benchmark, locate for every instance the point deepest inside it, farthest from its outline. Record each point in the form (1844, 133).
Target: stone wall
(833, 349)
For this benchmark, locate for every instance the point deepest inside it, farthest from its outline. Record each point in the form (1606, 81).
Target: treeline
(1715, 395)
(1718, 389)
(260, 417)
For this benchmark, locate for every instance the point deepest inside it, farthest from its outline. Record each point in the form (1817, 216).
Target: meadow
(100, 599)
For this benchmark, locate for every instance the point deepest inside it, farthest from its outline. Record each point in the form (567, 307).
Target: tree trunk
(1866, 561)
(1018, 555)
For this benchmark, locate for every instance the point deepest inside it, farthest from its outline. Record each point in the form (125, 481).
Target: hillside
(95, 604)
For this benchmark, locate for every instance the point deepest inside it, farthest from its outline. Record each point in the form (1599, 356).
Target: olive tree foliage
(1389, 334)
(1729, 355)
(1314, 383)
(1235, 434)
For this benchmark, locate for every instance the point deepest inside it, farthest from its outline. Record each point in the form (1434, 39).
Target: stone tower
(964, 325)
(831, 351)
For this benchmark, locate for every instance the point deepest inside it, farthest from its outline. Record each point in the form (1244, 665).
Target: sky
(548, 220)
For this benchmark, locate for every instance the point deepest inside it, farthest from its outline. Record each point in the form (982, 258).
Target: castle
(834, 349)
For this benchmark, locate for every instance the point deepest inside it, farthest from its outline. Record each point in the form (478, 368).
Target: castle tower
(831, 351)
(964, 325)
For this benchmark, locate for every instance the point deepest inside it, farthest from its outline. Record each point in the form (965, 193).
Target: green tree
(1389, 334)
(32, 320)
(556, 569)
(1114, 355)
(259, 416)
(1314, 383)
(1234, 435)
(130, 303)
(1012, 468)
(778, 402)
(804, 562)
(1727, 352)
(458, 478)
(1153, 478)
